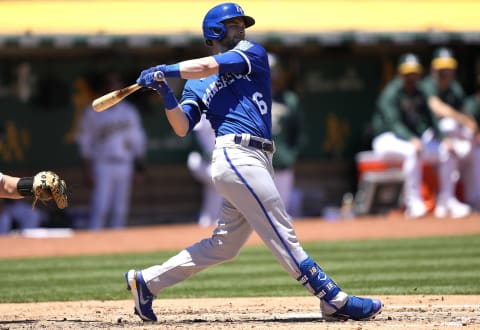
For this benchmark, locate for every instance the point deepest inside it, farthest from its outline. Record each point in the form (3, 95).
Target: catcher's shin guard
(317, 281)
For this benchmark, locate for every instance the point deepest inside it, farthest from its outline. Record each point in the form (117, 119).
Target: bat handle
(159, 76)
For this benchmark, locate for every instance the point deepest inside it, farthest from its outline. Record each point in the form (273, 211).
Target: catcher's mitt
(47, 185)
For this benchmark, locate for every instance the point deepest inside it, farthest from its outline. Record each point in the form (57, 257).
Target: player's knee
(317, 281)
(228, 254)
(222, 249)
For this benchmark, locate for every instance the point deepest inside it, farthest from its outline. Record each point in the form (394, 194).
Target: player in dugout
(445, 98)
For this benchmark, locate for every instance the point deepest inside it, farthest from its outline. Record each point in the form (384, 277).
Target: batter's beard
(229, 43)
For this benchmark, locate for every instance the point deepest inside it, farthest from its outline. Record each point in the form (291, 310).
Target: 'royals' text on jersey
(238, 100)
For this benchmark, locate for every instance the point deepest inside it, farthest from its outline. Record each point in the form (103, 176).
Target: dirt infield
(413, 312)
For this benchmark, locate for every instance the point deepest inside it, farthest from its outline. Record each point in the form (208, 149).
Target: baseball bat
(108, 100)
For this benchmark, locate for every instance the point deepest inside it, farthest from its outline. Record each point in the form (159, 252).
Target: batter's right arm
(230, 61)
(198, 68)
(190, 69)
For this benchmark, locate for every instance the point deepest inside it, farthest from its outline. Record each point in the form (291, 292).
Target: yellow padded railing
(294, 16)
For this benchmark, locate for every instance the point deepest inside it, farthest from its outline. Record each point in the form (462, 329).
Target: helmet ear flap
(218, 30)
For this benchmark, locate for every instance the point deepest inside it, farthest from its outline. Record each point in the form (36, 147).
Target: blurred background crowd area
(338, 56)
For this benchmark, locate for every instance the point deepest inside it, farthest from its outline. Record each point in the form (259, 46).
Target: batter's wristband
(173, 71)
(169, 100)
(24, 186)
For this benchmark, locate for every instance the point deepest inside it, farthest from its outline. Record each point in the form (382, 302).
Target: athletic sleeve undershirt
(191, 110)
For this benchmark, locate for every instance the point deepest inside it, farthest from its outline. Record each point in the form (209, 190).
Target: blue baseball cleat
(141, 294)
(356, 308)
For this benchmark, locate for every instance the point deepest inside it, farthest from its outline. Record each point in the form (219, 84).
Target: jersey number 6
(261, 104)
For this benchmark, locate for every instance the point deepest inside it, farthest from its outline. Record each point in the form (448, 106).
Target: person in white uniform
(404, 126)
(445, 97)
(471, 170)
(200, 165)
(110, 143)
(22, 213)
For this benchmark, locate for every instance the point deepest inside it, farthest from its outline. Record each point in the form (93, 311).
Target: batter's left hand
(146, 76)
(147, 79)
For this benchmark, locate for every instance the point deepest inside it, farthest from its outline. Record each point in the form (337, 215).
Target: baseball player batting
(233, 89)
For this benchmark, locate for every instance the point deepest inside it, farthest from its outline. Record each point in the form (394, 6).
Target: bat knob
(158, 76)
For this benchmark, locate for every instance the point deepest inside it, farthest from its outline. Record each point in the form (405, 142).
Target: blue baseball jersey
(238, 99)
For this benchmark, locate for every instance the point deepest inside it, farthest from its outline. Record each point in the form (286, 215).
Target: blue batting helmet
(213, 28)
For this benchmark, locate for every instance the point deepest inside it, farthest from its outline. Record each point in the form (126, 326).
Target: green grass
(446, 265)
